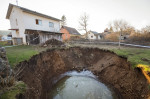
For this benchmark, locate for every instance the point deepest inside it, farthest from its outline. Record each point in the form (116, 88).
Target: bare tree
(110, 26)
(146, 29)
(83, 21)
(121, 27)
(63, 20)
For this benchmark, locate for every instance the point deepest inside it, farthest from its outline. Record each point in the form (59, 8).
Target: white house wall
(17, 14)
(30, 23)
(99, 37)
(90, 36)
(27, 21)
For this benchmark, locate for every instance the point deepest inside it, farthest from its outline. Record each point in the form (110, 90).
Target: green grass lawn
(134, 55)
(18, 88)
(4, 43)
(17, 54)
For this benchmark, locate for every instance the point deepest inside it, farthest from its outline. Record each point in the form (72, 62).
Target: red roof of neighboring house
(71, 30)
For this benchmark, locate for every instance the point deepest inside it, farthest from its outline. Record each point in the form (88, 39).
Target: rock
(5, 70)
(2, 49)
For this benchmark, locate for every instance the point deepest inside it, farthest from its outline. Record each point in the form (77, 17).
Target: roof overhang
(14, 29)
(28, 11)
(39, 14)
(9, 11)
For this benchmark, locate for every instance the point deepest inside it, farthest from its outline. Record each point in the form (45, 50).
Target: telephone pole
(17, 2)
(120, 38)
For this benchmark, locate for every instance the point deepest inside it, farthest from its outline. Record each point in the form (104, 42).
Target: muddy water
(83, 85)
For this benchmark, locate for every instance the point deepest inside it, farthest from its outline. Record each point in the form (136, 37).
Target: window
(16, 22)
(51, 24)
(38, 22)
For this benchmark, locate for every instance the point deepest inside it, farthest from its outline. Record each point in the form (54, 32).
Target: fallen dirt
(52, 42)
(41, 70)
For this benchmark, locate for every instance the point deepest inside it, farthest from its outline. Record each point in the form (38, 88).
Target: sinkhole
(81, 85)
(112, 73)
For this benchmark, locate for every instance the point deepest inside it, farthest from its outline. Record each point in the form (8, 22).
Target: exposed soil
(41, 70)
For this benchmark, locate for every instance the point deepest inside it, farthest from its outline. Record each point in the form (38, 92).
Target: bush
(4, 43)
(140, 37)
(112, 37)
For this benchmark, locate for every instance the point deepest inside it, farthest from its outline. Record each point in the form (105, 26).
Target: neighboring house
(32, 27)
(83, 36)
(94, 35)
(69, 33)
(106, 32)
(5, 35)
(124, 37)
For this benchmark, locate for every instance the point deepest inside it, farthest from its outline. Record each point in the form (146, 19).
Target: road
(116, 43)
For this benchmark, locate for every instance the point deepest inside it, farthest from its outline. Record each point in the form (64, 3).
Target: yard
(17, 54)
(5, 43)
(135, 55)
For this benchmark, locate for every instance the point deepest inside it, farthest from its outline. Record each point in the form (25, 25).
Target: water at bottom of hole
(80, 87)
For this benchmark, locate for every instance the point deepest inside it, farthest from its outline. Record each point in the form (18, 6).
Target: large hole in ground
(81, 85)
(41, 71)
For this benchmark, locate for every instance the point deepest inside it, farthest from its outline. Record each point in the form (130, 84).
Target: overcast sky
(101, 12)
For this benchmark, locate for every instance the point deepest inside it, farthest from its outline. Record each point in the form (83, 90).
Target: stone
(5, 70)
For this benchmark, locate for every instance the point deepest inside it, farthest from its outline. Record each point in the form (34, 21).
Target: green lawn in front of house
(20, 53)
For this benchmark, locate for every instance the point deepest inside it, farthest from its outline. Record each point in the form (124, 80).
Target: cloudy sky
(101, 12)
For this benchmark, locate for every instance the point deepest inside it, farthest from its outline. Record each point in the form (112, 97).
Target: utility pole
(17, 2)
(120, 38)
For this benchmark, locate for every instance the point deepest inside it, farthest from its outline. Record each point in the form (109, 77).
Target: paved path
(116, 43)
(9, 46)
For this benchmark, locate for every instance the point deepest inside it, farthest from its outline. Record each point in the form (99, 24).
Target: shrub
(140, 37)
(112, 37)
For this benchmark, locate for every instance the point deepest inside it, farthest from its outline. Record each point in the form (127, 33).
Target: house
(5, 35)
(124, 37)
(94, 35)
(69, 33)
(106, 32)
(31, 27)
